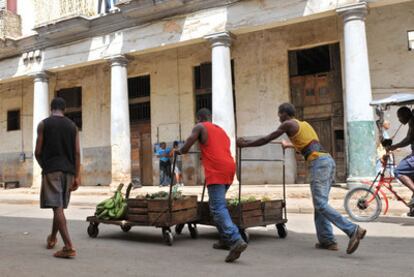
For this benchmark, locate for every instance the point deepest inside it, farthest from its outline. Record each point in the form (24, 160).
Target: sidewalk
(298, 197)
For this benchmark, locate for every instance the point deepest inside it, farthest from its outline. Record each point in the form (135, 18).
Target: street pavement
(386, 251)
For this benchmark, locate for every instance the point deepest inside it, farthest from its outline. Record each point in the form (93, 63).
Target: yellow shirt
(305, 135)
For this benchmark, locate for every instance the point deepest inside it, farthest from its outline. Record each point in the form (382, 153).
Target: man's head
(203, 115)
(286, 112)
(163, 145)
(404, 115)
(58, 104)
(175, 144)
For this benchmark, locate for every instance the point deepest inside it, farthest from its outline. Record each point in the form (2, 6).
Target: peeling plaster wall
(13, 96)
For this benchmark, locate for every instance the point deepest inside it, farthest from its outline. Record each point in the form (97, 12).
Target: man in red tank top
(219, 168)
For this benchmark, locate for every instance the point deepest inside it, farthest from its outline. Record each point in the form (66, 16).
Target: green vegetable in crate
(235, 201)
(112, 208)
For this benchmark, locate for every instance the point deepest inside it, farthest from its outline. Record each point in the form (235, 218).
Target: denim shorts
(405, 167)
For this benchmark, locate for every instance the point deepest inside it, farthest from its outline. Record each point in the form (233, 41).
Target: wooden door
(146, 159)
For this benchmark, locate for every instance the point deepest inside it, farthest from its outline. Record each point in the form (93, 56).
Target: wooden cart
(159, 213)
(250, 214)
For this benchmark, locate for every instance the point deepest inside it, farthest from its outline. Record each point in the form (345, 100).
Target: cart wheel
(125, 228)
(193, 230)
(179, 229)
(281, 230)
(168, 236)
(93, 230)
(245, 235)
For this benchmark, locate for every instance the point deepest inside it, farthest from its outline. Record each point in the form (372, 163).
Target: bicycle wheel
(362, 204)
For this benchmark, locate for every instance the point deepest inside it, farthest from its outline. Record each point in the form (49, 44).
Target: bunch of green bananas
(112, 208)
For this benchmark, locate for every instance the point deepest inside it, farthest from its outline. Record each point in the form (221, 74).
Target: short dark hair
(404, 112)
(175, 143)
(204, 113)
(287, 108)
(162, 143)
(58, 103)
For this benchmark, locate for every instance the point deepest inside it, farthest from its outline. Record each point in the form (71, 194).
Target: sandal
(50, 243)
(65, 253)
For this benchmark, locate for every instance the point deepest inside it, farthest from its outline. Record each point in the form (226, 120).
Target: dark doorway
(316, 92)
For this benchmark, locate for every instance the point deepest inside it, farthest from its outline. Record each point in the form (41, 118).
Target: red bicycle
(364, 203)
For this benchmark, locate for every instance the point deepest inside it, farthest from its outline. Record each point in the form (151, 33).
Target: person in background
(58, 154)
(219, 167)
(178, 165)
(381, 151)
(164, 154)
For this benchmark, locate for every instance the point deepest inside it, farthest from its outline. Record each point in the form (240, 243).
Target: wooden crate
(173, 218)
(161, 205)
(137, 203)
(272, 210)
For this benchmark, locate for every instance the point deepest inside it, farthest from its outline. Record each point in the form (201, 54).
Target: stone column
(359, 115)
(223, 102)
(120, 125)
(40, 112)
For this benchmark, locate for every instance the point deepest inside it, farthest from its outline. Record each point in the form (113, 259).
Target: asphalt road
(388, 250)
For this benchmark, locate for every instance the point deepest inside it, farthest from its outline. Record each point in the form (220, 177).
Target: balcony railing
(53, 10)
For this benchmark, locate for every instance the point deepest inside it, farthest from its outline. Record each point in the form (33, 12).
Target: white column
(120, 126)
(40, 112)
(358, 95)
(222, 98)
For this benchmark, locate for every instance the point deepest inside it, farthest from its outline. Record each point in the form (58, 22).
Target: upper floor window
(73, 99)
(203, 85)
(13, 120)
(139, 91)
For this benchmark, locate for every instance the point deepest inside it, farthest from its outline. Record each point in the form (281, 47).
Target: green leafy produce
(235, 201)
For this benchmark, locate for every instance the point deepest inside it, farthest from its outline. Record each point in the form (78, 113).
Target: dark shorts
(55, 190)
(405, 167)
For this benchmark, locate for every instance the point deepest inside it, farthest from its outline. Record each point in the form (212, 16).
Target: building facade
(136, 76)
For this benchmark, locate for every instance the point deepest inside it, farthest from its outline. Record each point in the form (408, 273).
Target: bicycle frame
(384, 182)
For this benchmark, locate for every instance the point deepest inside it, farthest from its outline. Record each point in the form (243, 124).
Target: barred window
(73, 99)
(13, 120)
(139, 92)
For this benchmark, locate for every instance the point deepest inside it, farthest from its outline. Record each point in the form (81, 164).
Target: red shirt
(219, 165)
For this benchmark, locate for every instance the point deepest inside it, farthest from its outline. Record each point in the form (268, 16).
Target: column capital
(40, 76)
(220, 39)
(351, 12)
(118, 60)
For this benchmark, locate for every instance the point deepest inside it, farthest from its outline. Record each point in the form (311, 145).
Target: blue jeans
(108, 5)
(229, 233)
(165, 175)
(322, 177)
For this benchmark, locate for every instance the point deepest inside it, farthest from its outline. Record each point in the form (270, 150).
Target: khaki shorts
(55, 190)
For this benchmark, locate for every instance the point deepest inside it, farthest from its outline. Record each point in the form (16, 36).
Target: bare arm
(406, 141)
(195, 135)
(39, 144)
(283, 128)
(77, 180)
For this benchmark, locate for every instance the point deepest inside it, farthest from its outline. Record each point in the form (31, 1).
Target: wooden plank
(137, 211)
(137, 203)
(161, 205)
(164, 219)
(138, 218)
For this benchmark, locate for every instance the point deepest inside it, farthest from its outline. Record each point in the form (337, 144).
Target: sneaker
(327, 246)
(221, 245)
(236, 250)
(358, 235)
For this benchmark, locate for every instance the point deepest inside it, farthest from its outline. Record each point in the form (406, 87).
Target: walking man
(165, 164)
(322, 168)
(58, 154)
(178, 169)
(219, 168)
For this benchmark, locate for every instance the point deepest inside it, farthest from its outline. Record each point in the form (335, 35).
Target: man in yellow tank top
(322, 169)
